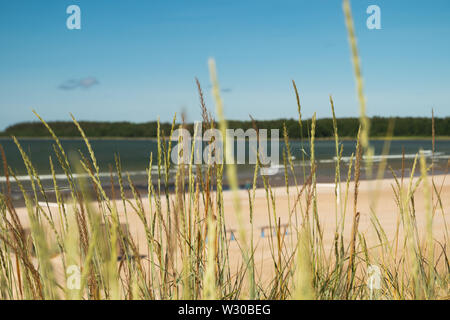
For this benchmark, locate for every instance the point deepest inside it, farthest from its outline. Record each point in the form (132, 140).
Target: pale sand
(387, 213)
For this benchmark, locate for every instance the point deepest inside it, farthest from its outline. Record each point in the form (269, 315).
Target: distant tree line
(347, 127)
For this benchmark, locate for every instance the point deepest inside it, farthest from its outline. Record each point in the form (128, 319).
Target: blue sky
(138, 58)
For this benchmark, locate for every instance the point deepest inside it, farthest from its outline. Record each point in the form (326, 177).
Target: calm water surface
(135, 156)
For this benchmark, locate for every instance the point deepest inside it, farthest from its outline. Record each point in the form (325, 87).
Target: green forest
(347, 127)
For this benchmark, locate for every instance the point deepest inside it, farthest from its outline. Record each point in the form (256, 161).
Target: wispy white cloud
(223, 90)
(83, 83)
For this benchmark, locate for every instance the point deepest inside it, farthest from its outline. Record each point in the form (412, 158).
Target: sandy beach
(378, 194)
